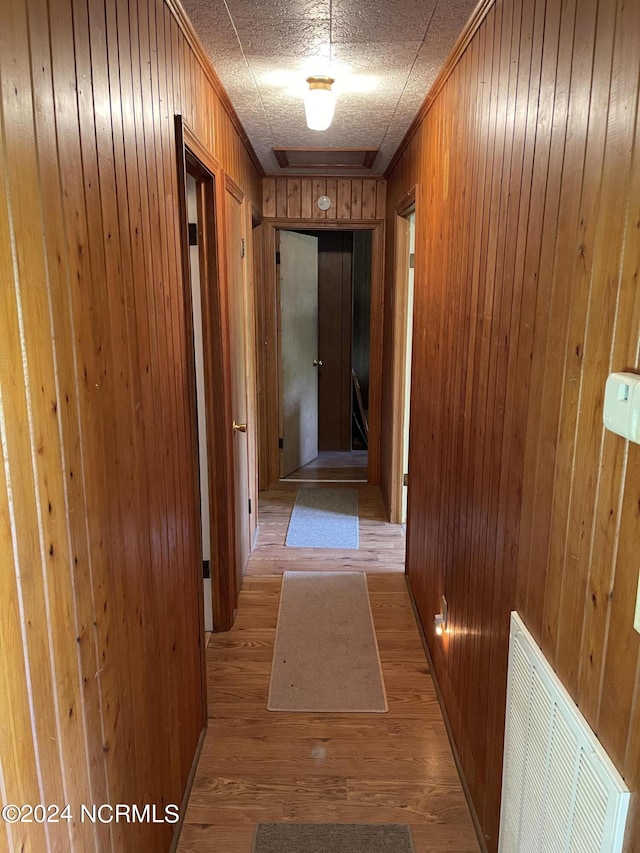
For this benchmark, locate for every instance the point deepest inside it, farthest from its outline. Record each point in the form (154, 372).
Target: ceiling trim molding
(183, 21)
(324, 176)
(368, 158)
(323, 224)
(471, 28)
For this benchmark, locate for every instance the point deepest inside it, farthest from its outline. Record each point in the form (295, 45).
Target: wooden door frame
(269, 362)
(253, 230)
(247, 215)
(405, 207)
(216, 344)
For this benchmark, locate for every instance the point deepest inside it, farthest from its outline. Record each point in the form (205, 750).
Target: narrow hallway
(258, 765)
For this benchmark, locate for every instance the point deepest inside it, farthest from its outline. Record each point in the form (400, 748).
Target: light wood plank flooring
(333, 465)
(262, 766)
(382, 545)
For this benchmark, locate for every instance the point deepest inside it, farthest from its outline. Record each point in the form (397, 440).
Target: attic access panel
(355, 159)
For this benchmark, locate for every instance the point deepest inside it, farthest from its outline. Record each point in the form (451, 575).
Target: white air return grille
(560, 791)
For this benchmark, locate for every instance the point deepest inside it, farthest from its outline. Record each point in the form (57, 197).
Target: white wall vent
(560, 791)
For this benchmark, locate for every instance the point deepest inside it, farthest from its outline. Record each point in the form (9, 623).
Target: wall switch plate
(636, 618)
(621, 411)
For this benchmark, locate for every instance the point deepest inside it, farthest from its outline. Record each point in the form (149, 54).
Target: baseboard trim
(187, 791)
(454, 749)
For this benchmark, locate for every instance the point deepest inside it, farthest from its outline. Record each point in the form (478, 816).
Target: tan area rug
(326, 655)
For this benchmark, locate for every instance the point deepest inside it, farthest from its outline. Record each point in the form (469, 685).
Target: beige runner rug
(326, 655)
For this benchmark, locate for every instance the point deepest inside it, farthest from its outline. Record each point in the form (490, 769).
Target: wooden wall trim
(175, 843)
(464, 39)
(196, 46)
(235, 190)
(191, 372)
(407, 203)
(326, 224)
(218, 380)
(199, 149)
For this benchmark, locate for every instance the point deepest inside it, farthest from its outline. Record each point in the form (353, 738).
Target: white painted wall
(196, 302)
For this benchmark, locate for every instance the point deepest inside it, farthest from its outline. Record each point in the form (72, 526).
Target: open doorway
(208, 376)
(405, 250)
(324, 308)
(194, 225)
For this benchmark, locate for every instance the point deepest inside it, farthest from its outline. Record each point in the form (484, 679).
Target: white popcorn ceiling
(384, 56)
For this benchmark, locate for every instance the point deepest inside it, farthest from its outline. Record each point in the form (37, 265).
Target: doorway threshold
(332, 466)
(293, 479)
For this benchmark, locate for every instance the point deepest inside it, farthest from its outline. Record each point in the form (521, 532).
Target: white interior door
(407, 364)
(198, 346)
(238, 319)
(298, 349)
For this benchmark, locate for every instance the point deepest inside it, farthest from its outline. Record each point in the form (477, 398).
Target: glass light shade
(319, 103)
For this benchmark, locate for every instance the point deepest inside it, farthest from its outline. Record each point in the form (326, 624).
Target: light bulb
(319, 103)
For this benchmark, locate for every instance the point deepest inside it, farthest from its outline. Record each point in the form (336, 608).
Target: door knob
(239, 427)
(317, 362)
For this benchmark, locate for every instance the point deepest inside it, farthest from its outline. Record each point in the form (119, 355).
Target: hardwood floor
(258, 765)
(382, 544)
(335, 466)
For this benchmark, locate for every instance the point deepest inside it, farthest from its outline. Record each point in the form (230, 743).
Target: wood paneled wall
(527, 259)
(101, 695)
(351, 198)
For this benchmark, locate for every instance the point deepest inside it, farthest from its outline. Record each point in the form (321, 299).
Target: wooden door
(298, 349)
(238, 323)
(335, 262)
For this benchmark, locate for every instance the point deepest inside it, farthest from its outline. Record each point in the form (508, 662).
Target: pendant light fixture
(319, 103)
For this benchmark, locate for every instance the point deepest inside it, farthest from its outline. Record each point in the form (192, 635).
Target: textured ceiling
(384, 57)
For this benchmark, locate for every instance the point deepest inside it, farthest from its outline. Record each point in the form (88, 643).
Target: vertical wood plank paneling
(332, 195)
(526, 297)
(562, 550)
(356, 199)
(368, 198)
(269, 197)
(85, 759)
(343, 204)
(281, 197)
(604, 345)
(351, 198)
(35, 557)
(319, 188)
(381, 198)
(306, 205)
(293, 199)
(628, 516)
(21, 768)
(101, 647)
(21, 778)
